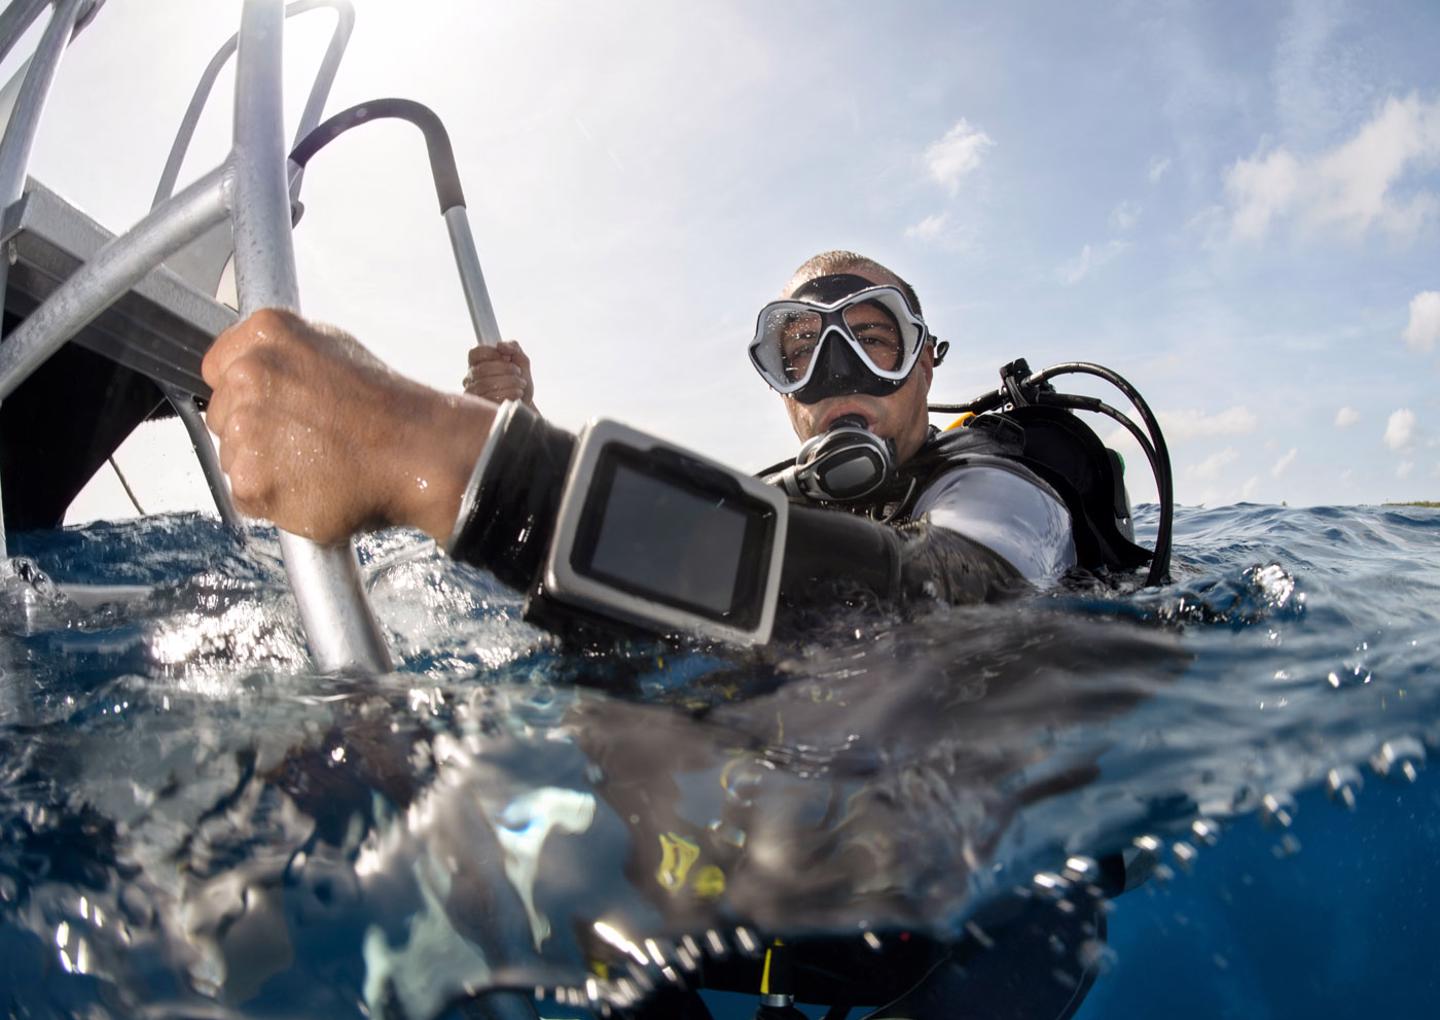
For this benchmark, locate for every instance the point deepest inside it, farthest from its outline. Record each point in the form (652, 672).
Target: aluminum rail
(448, 191)
(314, 105)
(251, 188)
(205, 452)
(472, 280)
(112, 271)
(15, 19)
(19, 138)
(204, 264)
(344, 635)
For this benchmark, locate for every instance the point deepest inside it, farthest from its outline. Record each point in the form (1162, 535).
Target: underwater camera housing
(625, 546)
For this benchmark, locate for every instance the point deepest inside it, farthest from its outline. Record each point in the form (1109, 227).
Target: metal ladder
(76, 282)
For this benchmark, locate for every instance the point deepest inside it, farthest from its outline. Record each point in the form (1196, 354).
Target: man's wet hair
(828, 263)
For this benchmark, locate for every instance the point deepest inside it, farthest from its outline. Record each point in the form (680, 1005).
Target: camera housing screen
(662, 530)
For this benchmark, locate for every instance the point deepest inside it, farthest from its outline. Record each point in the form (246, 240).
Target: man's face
(901, 415)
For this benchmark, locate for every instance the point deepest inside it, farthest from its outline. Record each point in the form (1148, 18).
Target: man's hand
(319, 436)
(501, 373)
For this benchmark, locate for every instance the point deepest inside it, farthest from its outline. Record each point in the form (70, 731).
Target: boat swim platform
(161, 328)
(69, 416)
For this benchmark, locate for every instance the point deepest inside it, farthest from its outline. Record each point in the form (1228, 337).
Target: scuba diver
(625, 532)
(975, 509)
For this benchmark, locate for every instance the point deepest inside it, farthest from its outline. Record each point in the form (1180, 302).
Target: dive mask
(866, 341)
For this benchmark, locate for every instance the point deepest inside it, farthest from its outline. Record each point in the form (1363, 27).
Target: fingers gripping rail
(248, 198)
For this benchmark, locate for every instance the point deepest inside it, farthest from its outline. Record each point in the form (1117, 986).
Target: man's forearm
(828, 550)
(510, 514)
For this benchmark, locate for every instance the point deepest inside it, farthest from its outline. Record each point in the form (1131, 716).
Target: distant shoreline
(1417, 502)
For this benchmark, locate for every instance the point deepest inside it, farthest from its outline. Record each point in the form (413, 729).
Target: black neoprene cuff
(507, 521)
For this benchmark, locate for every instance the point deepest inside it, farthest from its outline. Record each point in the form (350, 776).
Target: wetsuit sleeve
(1009, 510)
(507, 520)
(829, 553)
(507, 515)
(981, 530)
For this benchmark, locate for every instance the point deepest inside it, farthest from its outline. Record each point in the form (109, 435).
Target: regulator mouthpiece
(845, 465)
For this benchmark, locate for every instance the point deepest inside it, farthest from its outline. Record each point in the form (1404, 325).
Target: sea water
(193, 823)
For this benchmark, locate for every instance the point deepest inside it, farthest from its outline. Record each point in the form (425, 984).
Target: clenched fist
(319, 436)
(501, 373)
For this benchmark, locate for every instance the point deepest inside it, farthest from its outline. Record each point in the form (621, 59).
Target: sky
(1234, 205)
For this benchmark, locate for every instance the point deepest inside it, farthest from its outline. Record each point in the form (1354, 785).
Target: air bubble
(1050, 884)
(715, 944)
(1402, 757)
(1278, 809)
(1205, 831)
(1095, 955)
(728, 833)
(1148, 845)
(1185, 854)
(1081, 869)
(978, 934)
(1343, 785)
(746, 940)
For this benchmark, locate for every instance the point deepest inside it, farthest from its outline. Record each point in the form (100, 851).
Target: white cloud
(1193, 424)
(1125, 215)
(1400, 429)
(958, 153)
(1345, 417)
(1424, 327)
(928, 229)
(1283, 464)
(1158, 166)
(1259, 191)
(1089, 260)
(942, 231)
(1351, 187)
(1403, 471)
(1210, 468)
(1250, 488)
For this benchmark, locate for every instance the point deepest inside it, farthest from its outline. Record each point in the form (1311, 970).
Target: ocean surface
(193, 824)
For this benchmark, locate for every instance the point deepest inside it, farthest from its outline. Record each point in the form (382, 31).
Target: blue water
(192, 823)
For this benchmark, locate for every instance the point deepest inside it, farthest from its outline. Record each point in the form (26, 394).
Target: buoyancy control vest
(1060, 450)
